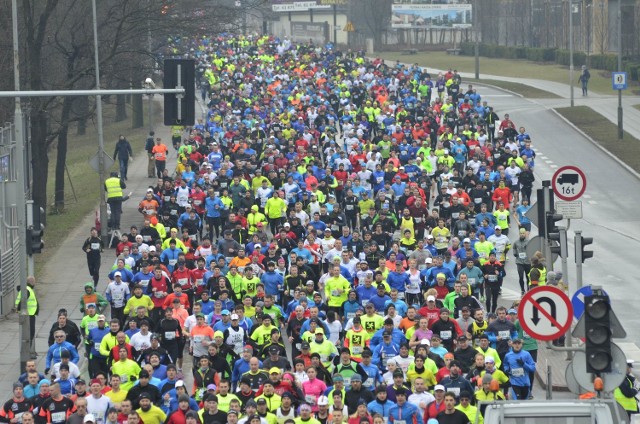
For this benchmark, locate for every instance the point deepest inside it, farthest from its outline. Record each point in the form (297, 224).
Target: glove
(46, 370)
(520, 362)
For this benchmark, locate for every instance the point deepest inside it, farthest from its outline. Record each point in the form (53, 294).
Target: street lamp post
(20, 201)
(571, 51)
(101, 154)
(619, 19)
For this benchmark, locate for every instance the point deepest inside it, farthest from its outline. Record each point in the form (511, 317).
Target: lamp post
(20, 201)
(619, 19)
(101, 154)
(571, 51)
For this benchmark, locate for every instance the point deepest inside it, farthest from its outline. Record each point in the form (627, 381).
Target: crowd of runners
(329, 247)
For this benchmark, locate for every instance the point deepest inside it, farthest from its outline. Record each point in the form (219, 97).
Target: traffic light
(581, 243)
(598, 334)
(550, 224)
(180, 109)
(559, 247)
(35, 231)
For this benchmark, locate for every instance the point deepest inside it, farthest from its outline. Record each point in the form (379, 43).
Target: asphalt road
(609, 203)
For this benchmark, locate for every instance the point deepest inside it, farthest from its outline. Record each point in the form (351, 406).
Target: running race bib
(517, 372)
(445, 335)
(95, 246)
(504, 334)
(169, 335)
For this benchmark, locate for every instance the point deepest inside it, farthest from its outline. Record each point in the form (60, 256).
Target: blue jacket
(375, 376)
(210, 205)
(271, 281)
(397, 337)
(127, 275)
(169, 254)
(431, 275)
(383, 352)
(406, 413)
(398, 280)
(53, 354)
(379, 301)
(382, 408)
(95, 337)
(518, 366)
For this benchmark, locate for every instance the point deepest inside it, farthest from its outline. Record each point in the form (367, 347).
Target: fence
(9, 237)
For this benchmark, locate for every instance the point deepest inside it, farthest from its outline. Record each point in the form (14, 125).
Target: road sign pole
(564, 253)
(548, 207)
(578, 234)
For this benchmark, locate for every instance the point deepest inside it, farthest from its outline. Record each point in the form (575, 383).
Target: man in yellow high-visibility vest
(33, 307)
(114, 186)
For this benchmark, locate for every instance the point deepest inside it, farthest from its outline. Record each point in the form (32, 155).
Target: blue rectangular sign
(619, 80)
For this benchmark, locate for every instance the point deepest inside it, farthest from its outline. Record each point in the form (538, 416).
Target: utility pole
(619, 19)
(571, 51)
(19, 199)
(476, 46)
(101, 155)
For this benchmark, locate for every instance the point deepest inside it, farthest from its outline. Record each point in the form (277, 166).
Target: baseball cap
(274, 370)
(117, 274)
(439, 387)
(319, 330)
(234, 316)
(89, 418)
(497, 227)
(431, 298)
(305, 345)
(466, 240)
(102, 318)
(225, 312)
(512, 311)
(179, 383)
(489, 360)
(323, 401)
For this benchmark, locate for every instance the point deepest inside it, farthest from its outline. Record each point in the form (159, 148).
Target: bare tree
(375, 16)
(600, 26)
(57, 47)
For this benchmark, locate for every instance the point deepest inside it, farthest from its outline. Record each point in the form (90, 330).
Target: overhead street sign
(569, 210)
(577, 300)
(619, 80)
(569, 183)
(545, 313)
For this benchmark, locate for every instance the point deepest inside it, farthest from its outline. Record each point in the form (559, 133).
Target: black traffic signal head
(551, 227)
(582, 254)
(179, 109)
(598, 334)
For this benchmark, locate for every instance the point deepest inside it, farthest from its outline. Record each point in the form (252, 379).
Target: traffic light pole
(548, 207)
(564, 253)
(578, 235)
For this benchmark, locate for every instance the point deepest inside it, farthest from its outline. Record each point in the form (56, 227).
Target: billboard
(297, 6)
(318, 32)
(431, 15)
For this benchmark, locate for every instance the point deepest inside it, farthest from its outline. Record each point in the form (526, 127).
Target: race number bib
(517, 372)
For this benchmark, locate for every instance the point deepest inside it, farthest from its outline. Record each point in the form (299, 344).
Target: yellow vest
(32, 302)
(113, 187)
(628, 403)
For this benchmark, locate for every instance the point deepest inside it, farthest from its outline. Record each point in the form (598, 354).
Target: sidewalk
(606, 105)
(60, 284)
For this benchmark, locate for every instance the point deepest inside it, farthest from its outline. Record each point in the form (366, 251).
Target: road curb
(596, 144)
